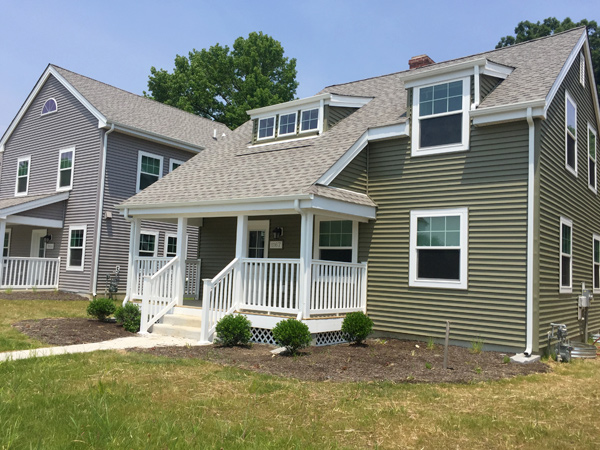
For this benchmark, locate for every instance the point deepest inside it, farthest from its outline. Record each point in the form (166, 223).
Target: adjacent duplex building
(461, 191)
(76, 149)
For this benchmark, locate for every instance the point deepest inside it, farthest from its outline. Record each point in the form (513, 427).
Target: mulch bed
(40, 295)
(378, 360)
(71, 331)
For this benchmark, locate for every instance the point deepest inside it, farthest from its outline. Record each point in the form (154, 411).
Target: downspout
(99, 214)
(530, 232)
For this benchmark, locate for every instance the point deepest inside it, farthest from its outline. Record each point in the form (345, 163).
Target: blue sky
(334, 41)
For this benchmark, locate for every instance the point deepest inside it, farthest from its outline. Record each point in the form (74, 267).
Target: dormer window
(266, 128)
(287, 124)
(49, 107)
(309, 120)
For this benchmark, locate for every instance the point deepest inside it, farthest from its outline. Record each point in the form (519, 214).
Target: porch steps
(178, 325)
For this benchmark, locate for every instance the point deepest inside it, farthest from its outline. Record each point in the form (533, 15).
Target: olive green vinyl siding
(354, 176)
(333, 115)
(491, 180)
(486, 85)
(563, 194)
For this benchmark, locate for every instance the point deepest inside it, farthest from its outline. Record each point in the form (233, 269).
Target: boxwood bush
(292, 334)
(101, 308)
(129, 316)
(233, 330)
(357, 326)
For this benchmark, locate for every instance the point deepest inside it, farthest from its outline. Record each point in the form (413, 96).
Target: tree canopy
(526, 31)
(222, 84)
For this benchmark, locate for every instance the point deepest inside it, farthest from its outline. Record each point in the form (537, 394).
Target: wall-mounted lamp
(277, 233)
(47, 238)
(108, 215)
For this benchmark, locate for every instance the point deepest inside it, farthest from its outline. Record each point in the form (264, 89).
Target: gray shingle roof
(236, 170)
(16, 201)
(141, 113)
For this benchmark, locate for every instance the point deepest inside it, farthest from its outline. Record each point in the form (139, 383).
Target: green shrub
(357, 326)
(233, 330)
(129, 316)
(101, 308)
(476, 346)
(292, 334)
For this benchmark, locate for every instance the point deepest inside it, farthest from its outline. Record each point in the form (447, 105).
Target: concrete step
(176, 331)
(182, 320)
(187, 311)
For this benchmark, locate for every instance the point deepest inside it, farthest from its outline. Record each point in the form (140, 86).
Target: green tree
(526, 31)
(222, 85)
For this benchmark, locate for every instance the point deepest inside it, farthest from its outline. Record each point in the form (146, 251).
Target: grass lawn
(16, 310)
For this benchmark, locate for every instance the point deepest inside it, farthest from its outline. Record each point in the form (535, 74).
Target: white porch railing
(159, 294)
(338, 287)
(26, 273)
(218, 299)
(271, 285)
(148, 266)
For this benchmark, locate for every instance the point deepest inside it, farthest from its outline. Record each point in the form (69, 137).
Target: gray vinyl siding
(55, 211)
(20, 240)
(333, 115)
(491, 180)
(42, 137)
(121, 179)
(487, 84)
(563, 194)
(354, 177)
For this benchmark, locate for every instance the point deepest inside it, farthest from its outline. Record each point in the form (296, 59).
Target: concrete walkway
(142, 341)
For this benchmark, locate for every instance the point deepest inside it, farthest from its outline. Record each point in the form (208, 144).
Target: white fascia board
(565, 69)
(415, 79)
(496, 70)
(36, 89)
(254, 113)
(324, 206)
(16, 209)
(347, 101)
(372, 134)
(507, 113)
(590, 80)
(154, 137)
(34, 221)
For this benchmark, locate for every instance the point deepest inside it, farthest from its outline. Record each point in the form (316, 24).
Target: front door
(38, 243)
(258, 238)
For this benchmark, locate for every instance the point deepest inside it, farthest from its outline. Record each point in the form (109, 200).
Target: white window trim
(42, 113)
(23, 194)
(260, 225)
(464, 248)
(595, 237)
(565, 289)
(416, 124)
(258, 138)
(567, 99)
(295, 113)
(76, 268)
(174, 161)
(167, 236)
(317, 247)
(9, 232)
(582, 69)
(139, 167)
(319, 119)
(70, 187)
(594, 189)
(156, 235)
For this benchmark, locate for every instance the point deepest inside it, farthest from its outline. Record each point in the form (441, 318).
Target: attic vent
(419, 61)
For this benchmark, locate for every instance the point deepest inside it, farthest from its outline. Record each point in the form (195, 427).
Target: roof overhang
(28, 204)
(251, 206)
(508, 113)
(136, 132)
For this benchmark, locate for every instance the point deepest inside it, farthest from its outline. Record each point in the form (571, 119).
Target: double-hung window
(66, 163)
(566, 255)
(149, 170)
(6, 248)
(76, 251)
(171, 245)
(23, 167)
(438, 248)
(596, 262)
(335, 240)
(570, 134)
(592, 171)
(287, 124)
(266, 128)
(174, 164)
(441, 117)
(309, 120)
(148, 244)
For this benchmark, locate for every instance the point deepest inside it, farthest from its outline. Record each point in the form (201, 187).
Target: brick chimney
(419, 61)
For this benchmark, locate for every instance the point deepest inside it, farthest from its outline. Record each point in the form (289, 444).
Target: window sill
(74, 269)
(565, 290)
(439, 284)
(64, 189)
(571, 171)
(594, 190)
(439, 150)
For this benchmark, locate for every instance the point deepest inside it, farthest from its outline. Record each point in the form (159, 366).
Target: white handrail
(150, 265)
(159, 294)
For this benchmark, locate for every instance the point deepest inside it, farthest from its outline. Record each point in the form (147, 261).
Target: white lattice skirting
(265, 336)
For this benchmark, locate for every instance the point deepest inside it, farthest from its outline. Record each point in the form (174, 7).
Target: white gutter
(530, 232)
(99, 214)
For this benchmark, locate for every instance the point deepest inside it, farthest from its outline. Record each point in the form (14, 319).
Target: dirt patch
(71, 331)
(40, 295)
(378, 360)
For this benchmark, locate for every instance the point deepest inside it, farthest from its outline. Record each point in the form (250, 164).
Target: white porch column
(241, 249)
(2, 233)
(134, 245)
(306, 252)
(181, 253)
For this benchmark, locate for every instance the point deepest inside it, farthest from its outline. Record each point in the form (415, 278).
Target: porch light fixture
(47, 238)
(277, 233)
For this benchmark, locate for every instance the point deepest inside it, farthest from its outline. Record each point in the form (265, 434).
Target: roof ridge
(461, 57)
(139, 96)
